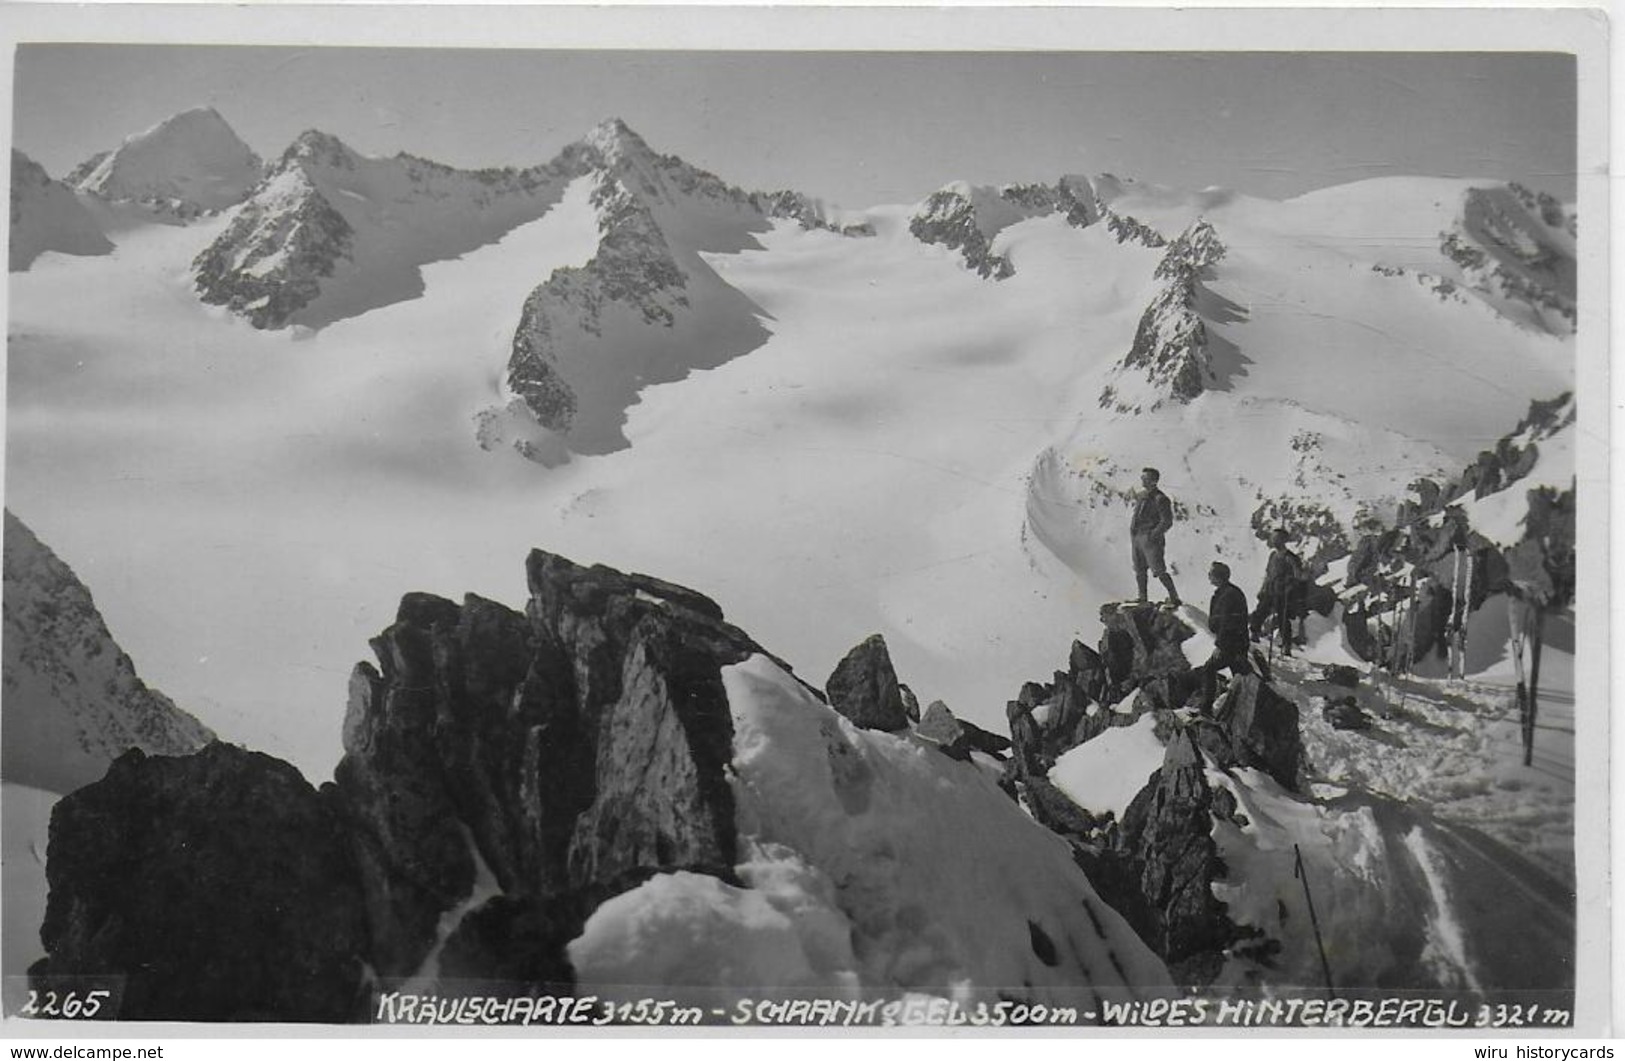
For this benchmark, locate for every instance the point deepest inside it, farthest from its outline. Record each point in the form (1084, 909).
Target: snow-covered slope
(1433, 857)
(47, 216)
(73, 702)
(25, 829)
(188, 164)
(869, 863)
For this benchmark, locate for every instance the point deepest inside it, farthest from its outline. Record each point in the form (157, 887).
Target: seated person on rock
(1227, 621)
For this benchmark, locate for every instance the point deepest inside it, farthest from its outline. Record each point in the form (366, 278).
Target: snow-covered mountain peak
(628, 166)
(316, 148)
(618, 143)
(190, 163)
(1170, 359)
(47, 216)
(648, 307)
(1196, 250)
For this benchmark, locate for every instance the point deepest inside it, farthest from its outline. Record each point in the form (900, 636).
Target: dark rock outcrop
(949, 219)
(1516, 246)
(504, 774)
(863, 688)
(576, 749)
(1126, 229)
(968, 219)
(1158, 864)
(911, 703)
(1139, 652)
(515, 942)
(1167, 837)
(1253, 725)
(300, 231)
(219, 885)
(1140, 643)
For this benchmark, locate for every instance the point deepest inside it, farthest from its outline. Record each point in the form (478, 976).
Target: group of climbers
(1280, 597)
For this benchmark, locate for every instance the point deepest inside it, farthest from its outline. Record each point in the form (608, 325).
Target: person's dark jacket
(1227, 619)
(1153, 514)
(1281, 577)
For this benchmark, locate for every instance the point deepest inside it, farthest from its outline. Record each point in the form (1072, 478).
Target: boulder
(219, 886)
(1026, 737)
(1055, 810)
(958, 738)
(1088, 671)
(1140, 641)
(1261, 727)
(864, 688)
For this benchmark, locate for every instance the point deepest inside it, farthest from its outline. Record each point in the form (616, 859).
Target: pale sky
(855, 128)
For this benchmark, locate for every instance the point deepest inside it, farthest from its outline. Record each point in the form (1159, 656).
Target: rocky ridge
(1169, 358)
(1517, 249)
(73, 701)
(968, 219)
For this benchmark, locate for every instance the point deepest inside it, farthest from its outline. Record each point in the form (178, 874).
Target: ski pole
(1314, 922)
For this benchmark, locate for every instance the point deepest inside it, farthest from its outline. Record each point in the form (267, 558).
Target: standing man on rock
(1227, 622)
(1281, 594)
(1153, 515)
